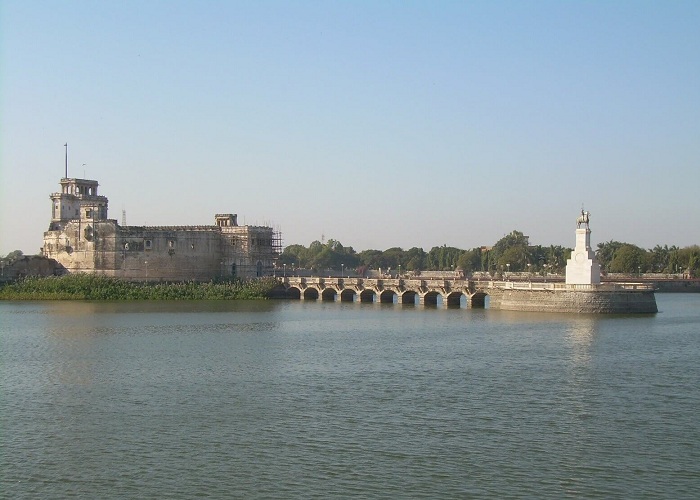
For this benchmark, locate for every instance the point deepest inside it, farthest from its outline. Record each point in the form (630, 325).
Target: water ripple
(295, 400)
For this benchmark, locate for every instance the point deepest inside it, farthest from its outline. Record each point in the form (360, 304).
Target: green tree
(514, 258)
(443, 258)
(557, 256)
(514, 239)
(694, 264)
(13, 256)
(673, 260)
(538, 257)
(629, 259)
(322, 260)
(293, 254)
(315, 248)
(470, 260)
(371, 259)
(414, 259)
(486, 260)
(689, 260)
(659, 259)
(606, 253)
(332, 255)
(511, 249)
(392, 257)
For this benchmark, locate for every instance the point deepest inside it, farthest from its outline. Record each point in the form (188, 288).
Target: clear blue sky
(378, 124)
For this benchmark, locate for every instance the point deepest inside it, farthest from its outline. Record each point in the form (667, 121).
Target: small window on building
(171, 244)
(88, 213)
(147, 244)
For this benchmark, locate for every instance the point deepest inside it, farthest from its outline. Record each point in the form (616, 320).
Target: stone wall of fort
(149, 253)
(81, 239)
(161, 253)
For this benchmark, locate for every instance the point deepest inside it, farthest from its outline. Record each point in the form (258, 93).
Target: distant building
(81, 239)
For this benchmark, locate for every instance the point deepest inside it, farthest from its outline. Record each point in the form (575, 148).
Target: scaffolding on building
(277, 244)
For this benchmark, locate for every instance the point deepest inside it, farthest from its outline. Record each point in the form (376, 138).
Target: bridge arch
(367, 295)
(454, 299)
(293, 293)
(347, 295)
(386, 297)
(311, 294)
(408, 297)
(328, 294)
(478, 299)
(431, 298)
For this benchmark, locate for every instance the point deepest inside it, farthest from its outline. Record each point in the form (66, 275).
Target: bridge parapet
(524, 285)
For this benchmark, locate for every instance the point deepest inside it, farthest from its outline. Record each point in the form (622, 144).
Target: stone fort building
(81, 239)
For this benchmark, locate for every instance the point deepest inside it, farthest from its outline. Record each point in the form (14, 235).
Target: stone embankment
(601, 299)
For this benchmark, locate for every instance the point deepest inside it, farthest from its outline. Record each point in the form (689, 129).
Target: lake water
(288, 399)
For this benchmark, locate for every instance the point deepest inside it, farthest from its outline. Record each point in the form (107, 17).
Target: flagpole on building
(66, 146)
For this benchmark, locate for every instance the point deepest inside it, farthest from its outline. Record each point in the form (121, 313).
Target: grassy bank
(89, 287)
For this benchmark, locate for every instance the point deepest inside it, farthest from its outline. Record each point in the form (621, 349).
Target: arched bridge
(391, 290)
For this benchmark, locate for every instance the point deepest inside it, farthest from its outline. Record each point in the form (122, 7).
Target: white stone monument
(583, 268)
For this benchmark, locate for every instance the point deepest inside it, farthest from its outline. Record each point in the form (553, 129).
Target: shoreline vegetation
(91, 287)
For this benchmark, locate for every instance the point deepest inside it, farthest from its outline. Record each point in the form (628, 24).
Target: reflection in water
(81, 330)
(580, 403)
(580, 333)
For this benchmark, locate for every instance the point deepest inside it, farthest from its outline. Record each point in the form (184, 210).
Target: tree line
(617, 257)
(511, 253)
